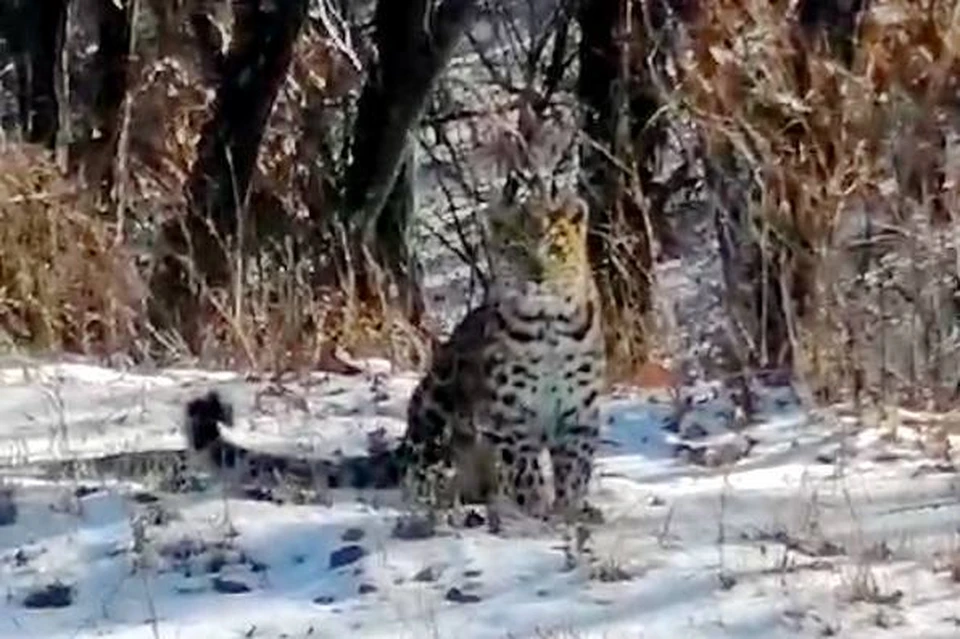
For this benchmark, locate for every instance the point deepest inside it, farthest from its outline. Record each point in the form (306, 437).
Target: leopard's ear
(576, 210)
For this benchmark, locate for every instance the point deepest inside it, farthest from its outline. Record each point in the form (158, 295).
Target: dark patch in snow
(458, 596)
(473, 519)
(216, 563)
(352, 534)
(346, 555)
(82, 491)
(411, 528)
(229, 586)
(55, 595)
(427, 574)
(143, 497)
(8, 507)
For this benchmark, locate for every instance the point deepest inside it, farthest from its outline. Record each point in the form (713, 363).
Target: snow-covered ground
(822, 528)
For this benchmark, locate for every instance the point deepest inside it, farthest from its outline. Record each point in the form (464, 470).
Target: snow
(822, 526)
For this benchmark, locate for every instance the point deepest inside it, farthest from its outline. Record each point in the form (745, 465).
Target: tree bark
(618, 100)
(112, 61)
(216, 191)
(393, 245)
(834, 20)
(754, 269)
(414, 45)
(35, 32)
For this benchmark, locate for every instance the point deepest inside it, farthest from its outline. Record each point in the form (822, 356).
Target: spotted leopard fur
(513, 394)
(267, 475)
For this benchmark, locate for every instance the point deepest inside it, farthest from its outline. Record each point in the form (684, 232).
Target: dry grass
(68, 285)
(63, 283)
(829, 151)
(845, 168)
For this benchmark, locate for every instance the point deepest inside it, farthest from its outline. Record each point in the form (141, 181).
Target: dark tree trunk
(602, 93)
(34, 30)
(112, 62)
(618, 100)
(754, 275)
(393, 244)
(261, 50)
(834, 20)
(414, 45)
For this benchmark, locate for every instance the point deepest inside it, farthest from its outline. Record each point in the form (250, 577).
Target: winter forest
(284, 199)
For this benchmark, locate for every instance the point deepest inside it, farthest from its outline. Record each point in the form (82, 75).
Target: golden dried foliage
(815, 131)
(63, 283)
(826, 142)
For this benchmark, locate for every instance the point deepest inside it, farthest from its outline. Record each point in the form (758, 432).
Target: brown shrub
(63, 283)
(847, 166)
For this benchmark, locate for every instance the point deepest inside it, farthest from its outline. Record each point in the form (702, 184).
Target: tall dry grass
(64, 285)
(848, 181)
(68, 285)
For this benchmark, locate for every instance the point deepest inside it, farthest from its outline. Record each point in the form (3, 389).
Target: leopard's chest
(547, 354)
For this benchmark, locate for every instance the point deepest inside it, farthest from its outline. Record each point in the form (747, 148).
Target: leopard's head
(540, 240)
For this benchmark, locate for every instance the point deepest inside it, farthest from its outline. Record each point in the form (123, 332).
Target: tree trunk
(834, 20)
(754, 269)
(35, 32)
(618, 101)
(414, 45)
(112, 62)
(393, 245)
(751, 268)
(261, 50)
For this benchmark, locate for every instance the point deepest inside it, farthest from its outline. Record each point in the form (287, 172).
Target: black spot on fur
(521, 370)
(578, 333)
(521, 336)
(536, 317)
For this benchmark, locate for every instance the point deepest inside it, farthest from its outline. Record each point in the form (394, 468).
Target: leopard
(507, 413)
